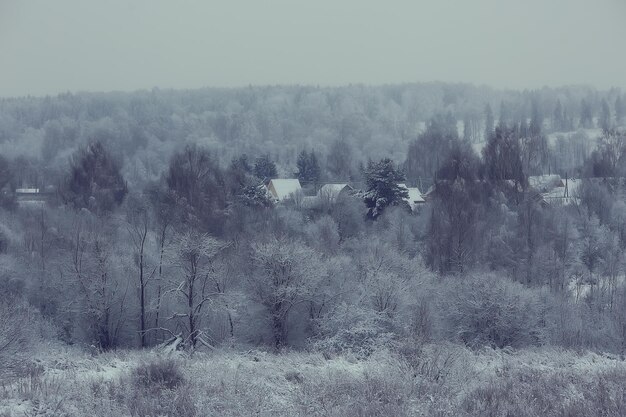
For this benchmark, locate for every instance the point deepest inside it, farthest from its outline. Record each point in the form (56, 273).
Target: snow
(332, 191)
(545, 183)
(282, 188)
(27, 190)
(415, 196)
(592, 134)
(478, 147)
(241, 382)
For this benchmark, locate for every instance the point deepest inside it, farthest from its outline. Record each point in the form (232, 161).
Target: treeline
(345, 126)
(200, 252)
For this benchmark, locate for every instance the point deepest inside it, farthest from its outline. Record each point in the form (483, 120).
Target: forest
(141, 251)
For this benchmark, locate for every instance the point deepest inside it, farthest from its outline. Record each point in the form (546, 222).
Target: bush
(492, 311)
(532, 393)
(160, 373)
(18, 324)
(355, 331)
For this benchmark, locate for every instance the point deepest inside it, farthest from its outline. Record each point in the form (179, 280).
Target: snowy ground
(434, 380)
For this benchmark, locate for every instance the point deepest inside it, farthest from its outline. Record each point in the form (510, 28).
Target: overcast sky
(52, 46)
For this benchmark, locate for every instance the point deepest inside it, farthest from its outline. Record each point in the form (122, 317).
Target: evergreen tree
(264, 168)
(536, 119)
(503, 160)
(605, 120)
(382, 180)
(489, 122)
(504, 115)
(620, 109)
(524, 131)
(586, 114)
(308, 168)
(255, 195)
(94, 181)
(7, 198)
(568, 122)
(241, 164)
(558, 121)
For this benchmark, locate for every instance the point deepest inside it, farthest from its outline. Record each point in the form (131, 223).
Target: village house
(33, 197)
(281, 189)
(552, 190)
(331, 192)
(414, 199)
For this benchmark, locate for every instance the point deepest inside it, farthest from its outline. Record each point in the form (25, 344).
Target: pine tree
(382, 180)
(620, 109)
(489, 122)
(558, 122)
(94, 181)
(523, 128)
(308, 168)
(586, 114)
(264, 168)
(504, 115)
(503, 160)
(536, 119)
(605, 120)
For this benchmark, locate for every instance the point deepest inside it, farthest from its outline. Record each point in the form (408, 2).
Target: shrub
(492, 311)
(158, 373)
(18, 323)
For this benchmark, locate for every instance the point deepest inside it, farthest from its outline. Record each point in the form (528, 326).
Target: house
(545, 183)
(564, 196)
(331, 192)
(283, 188)
(414, 199)
(32, 197)
(552, 190)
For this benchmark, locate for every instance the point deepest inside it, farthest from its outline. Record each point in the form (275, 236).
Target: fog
(49, 47)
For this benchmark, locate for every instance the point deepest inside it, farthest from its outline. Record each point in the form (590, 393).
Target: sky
(54, 46)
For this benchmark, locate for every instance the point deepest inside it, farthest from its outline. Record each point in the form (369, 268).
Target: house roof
(545, 183)
(282, 188)
(332, 190)
(415, 195)
(558, 196)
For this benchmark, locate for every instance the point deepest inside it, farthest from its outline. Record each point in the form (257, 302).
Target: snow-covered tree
(382, 179)
(285, 274)
(193, 256)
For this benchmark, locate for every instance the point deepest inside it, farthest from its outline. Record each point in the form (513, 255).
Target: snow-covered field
(433, 380)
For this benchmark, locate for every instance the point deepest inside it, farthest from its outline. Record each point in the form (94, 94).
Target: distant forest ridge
(345, 126)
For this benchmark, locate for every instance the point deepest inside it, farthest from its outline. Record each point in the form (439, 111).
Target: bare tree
(91, 264)
(193, 254)
(137, 224)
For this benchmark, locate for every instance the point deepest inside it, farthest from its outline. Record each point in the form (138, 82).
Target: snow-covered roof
(332, 191)
(27, 190)
(563, 196)
(545, 183)
(415, 196)
(282, 188)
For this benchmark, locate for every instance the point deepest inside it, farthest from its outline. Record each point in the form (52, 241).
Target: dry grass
(435, 380)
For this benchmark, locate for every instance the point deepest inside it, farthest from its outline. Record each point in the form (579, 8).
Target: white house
(415, 198)
(29, 197)
(283, 188)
